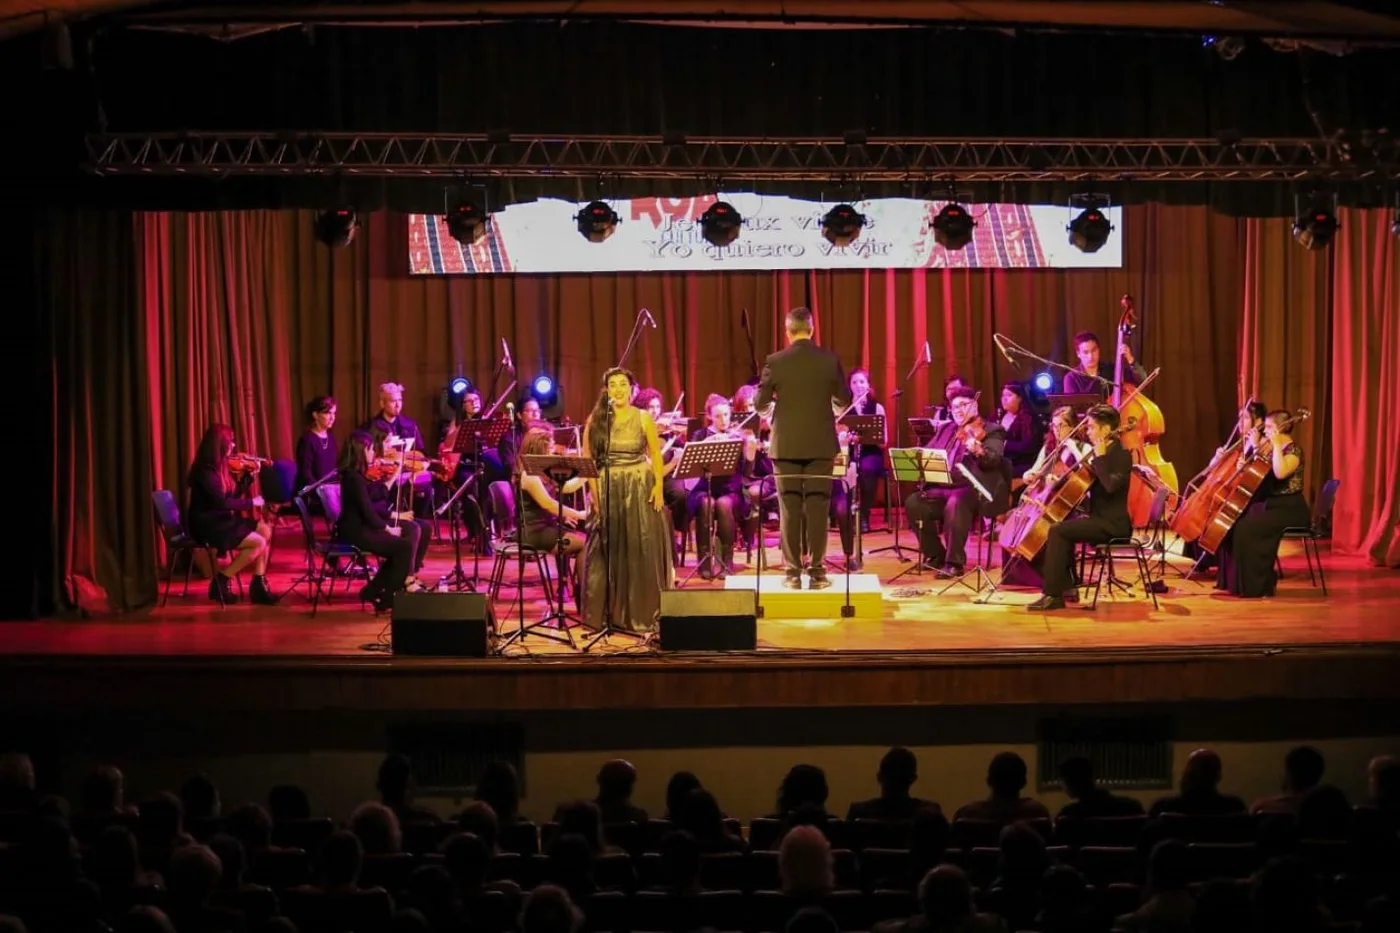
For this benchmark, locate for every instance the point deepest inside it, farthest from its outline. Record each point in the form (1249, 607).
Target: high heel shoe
(221, 589)
(259, 593)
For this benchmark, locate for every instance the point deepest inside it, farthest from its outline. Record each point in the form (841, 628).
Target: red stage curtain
(241, 317)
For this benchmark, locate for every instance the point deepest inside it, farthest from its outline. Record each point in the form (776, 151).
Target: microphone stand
(632, 338)
(898, 548)
(1010, 349)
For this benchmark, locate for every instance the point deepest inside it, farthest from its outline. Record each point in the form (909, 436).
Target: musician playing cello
(1249, 553)
(1112, 465)
(978, 446)
(1094, 375)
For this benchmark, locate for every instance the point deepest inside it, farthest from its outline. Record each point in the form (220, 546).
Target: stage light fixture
(952, 228)
(460, 386)
(597, 222)
(1315, 228)
(1089, 231)
(467, 223)
(336, 228)
(545, 390)
(720, 224)
(1044, 382)
(842, 225)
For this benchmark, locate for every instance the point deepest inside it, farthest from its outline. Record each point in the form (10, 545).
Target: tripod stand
(921, 466)
(457, 578)
(708, 460)
(978, 574)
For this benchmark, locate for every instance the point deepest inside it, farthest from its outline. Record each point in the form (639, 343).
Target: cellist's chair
(1106, 556)
(1314, 532)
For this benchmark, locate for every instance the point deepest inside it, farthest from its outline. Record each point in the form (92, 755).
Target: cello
(1150, 468)
(1234, 495)
(1189, 521)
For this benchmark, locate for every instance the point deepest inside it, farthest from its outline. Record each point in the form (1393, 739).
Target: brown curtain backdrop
(241, 317)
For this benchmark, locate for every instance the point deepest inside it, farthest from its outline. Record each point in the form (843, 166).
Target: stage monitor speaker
(708, 620)
(440, 625)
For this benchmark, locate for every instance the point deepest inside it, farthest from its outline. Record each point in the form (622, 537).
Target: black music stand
(924, 429)
(919, 465)
(705, 461)
(1078, 401)
(978, 575)
(568, 438)
(921, 437)
(457, 578)
(477, 434)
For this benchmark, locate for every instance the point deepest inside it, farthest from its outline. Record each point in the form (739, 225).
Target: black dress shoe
(1046, 603)
(818, 580)
(221, 589)
(792, 582)
(950, 571)
(855, 564)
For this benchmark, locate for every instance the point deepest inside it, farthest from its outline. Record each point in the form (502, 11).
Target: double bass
(1150, 468)
(1233, 496)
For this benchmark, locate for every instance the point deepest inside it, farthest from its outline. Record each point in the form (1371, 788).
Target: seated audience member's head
(377, 828)
(899, 769)
(103, 791)
(17, 784)
(251, 825)
(1302, 769)
(680, 858)
(1221, 907)
(193, 874)
(616, 779)
(49, 850)
(945, 896)
(287, 802)
(232, 857)
(1324, 813)
(467, 860)
(162, 819)
(1383, 781)
(115, 860)
(480, 820)
(804, 862)
(395, 783)
(1202, 772)
(1006, 775)
(1285, 897)
(811, 920)
(1077, 773)
(583, 818)
(803, 786)
(548, 909)
(10, 924)
(571, 860)
(410, 920)
(200, 798)
(929, 834)
(1063, 894)
(677, 789)
(499, 786)
(341, 859)
(1023, 855)
(145, 919)
(1169, 866)
(431, 890)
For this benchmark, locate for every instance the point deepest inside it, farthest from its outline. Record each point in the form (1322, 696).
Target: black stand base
(606, 632)
(977, 579)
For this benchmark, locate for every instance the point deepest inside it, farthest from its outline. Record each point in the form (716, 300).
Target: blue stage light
(460, 386)
(543, 385)
(1044, 381)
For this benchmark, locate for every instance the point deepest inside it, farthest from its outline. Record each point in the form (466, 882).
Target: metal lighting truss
(428, 155)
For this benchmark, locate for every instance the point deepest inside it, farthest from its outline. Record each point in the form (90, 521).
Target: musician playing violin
(944, 413)
(1249, 553)
(539, 509)
(1108, 518)
(979, 446)
(509, 447)
(720, 496)
(673, 491)
(872, 456)
(364, 525)
(213, 519)
(1095, 375)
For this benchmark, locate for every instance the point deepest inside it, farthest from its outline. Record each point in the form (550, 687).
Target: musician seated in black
(1060, 453)
(540, 510)
(1249, 553)
(673, 491)
(720, 498)
(871, 456)
(393, 430)
(951, 385)
(957, 506)
(361, 525)
(1095, 376)
(508, 450)
(1112, 465)
(1251, 431)
(1022, 438)
(316, 451)
(393, 501)
(212, 518)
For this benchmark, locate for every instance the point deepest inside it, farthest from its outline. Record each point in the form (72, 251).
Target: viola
(1143, 440)
(1233, 496)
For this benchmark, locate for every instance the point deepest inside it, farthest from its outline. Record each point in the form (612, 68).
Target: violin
(241, 465)
(972, 434)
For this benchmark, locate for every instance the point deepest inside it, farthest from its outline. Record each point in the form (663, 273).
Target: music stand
(457, 577)
(979, 575)
(477, 433)
(921, 466)
(707, 460)
(1079, 401)
(924, 429)
(568, 438)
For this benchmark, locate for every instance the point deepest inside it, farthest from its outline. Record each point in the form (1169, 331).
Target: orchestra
(1047, 480)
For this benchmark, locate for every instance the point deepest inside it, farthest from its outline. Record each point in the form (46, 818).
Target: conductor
(803, 383)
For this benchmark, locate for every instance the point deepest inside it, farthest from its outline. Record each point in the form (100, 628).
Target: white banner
(663, 234)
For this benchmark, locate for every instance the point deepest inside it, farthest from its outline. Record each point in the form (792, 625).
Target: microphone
(510, 412)
(1000, 341)
(650, 320)
(506, 361)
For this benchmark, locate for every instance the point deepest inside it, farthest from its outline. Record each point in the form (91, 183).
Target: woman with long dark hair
(363, 525)
(627, 562)
(1249, 555)
(212, 515)
(540, 510)
(871, 456)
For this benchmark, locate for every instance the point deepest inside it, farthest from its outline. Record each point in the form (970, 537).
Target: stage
(922, 649)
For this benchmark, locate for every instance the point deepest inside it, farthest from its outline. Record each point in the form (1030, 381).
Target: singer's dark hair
(599, 419)
(952, 378)
(352, 455)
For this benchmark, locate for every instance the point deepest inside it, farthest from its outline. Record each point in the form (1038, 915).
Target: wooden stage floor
(923, 648)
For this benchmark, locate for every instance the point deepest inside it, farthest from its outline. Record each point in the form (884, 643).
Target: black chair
(179, 541)
(1104, 557)
(334, 556)
(509, 550)
(277, 482)
(1315, 532)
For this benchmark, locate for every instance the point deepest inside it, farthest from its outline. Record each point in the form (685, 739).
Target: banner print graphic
(664, 234)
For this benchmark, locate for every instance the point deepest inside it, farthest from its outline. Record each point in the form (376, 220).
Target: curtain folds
(164, 323)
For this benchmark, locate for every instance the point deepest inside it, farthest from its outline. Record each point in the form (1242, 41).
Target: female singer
(1021, 440)
(539, 510)
(211, 515)
(363, 525)
(719, 500)
(872, 456)
(627, 561)
(1249, 552)
(316, 450)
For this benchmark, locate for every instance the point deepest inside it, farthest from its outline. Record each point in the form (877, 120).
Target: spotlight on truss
(720, 224)
(597, 222)
(842, 225)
